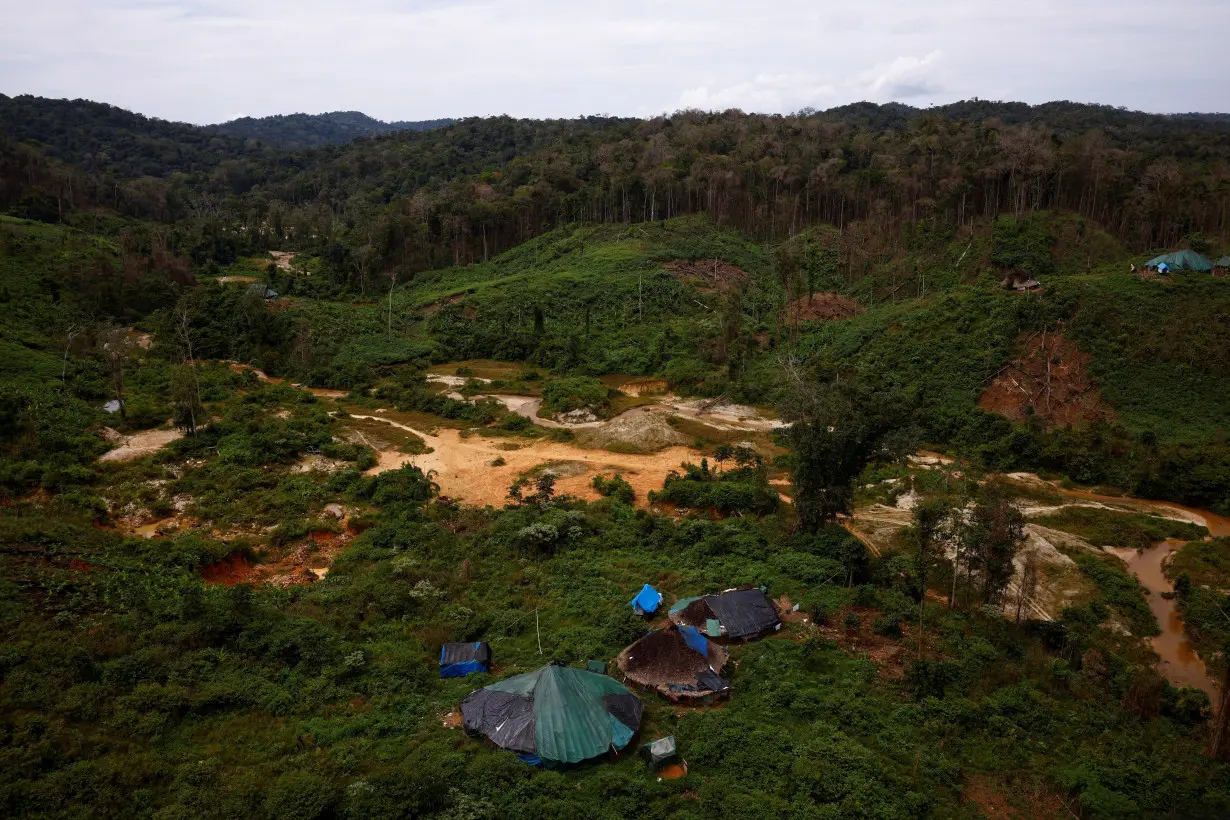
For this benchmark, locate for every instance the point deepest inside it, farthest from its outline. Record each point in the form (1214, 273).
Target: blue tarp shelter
(460, 659)
(647, 601)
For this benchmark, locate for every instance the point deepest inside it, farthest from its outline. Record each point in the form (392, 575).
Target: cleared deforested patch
(1048, 380)
(707, 275)
(823, 307)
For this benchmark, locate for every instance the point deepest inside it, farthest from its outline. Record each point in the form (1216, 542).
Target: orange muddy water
(1180, 663)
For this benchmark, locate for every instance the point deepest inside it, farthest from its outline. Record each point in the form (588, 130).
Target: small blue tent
(460, 659)
(646, 601)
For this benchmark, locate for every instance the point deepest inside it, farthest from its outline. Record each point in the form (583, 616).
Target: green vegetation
(614, 487)
(743, 489)
(577, 393)
(1201, 575)
(1110, 528)
(216, 669)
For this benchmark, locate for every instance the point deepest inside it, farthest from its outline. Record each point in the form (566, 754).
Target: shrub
(614, 487)
(887, 625)
(575, 393)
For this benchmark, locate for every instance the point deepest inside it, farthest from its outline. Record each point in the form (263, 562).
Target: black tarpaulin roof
(744, 612)
(465, 652)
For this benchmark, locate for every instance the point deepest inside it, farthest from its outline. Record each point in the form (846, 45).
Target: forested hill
(99, 137)
(312, 130)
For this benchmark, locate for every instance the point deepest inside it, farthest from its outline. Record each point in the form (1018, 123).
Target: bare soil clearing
(823, 307)
(282, 259)
(304, 563)
(462, 465)
(141, 444)
(1048, 380)
(708, 275)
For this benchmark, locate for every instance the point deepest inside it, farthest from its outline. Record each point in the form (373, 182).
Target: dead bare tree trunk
(1219, 737)
(73, 332)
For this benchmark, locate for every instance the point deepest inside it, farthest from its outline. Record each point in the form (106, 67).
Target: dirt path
(318, 392)
(463, 465)
(141, 444)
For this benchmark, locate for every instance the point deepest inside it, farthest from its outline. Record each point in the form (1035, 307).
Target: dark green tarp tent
(557, 713)
(1181, 260)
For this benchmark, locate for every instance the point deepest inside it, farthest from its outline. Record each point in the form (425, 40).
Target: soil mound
(707, 275)
(823, 307)
(1047, 379)
(636, 431)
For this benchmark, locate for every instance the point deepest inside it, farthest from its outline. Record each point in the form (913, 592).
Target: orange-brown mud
(304, 564)
(1047, 379)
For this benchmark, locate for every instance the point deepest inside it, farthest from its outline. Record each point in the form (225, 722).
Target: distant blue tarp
(647, 601)
(695, 641)
(460, 659)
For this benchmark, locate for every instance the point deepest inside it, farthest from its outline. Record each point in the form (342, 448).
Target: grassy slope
(32, 255)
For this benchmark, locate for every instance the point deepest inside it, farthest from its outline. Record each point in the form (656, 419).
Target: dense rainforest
(310, 130)
(286, 407)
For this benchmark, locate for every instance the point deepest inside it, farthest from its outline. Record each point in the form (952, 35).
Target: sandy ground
(282, 259)
(141, 444)
(462, 465)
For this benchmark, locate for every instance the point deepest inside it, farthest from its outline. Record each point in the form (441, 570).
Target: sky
(205, 61)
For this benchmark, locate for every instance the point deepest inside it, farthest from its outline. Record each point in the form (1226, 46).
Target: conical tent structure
(678, 662)
(1181, 260)
(560, 714)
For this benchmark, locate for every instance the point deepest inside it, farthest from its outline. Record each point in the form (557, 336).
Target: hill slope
(311, 130)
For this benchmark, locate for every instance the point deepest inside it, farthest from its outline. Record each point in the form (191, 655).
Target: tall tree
(927, 538)
(835, 429)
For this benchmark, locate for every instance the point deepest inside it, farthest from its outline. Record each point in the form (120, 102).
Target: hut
(555, 715)
(460, 659)
(1222, 266)
(736, 613)
(678, 663)
(1180, 260)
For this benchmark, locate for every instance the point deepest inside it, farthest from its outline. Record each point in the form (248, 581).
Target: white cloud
(202, 60)
(765, 92)
(906, 78)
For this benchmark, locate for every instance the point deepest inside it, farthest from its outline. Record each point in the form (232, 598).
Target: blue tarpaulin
(460, 659)
(695, 641)
(647, 600)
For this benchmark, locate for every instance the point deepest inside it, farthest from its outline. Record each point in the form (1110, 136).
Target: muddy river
(1180, 663)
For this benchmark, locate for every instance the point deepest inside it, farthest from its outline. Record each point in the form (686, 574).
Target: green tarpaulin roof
(572, 719)
(1180, 260)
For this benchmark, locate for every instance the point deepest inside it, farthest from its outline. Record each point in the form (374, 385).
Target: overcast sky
(204, 61)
